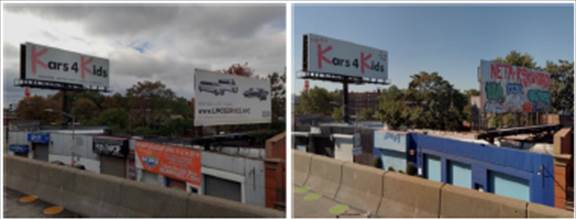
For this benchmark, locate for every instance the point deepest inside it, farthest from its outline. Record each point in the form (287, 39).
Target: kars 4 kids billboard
(44, 63)
(332, 56)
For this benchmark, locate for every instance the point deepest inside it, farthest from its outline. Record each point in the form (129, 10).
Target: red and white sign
(170, 160)
(332, 56)
(55, 65)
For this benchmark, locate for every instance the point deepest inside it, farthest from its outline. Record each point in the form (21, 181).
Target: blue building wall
(485, 160)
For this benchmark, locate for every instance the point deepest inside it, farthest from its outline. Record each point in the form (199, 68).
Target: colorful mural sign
(170, 160)
(508, 88)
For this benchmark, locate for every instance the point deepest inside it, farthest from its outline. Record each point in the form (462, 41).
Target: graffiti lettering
(494, 92)
(393, 137)
(522, 75)
(514, 88)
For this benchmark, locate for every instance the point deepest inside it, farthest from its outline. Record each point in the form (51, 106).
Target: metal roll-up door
(218, 187)
(41, 152)
(113, 166)
(150, 178)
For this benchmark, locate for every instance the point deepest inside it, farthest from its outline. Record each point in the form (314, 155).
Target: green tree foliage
(337, 114)
(366, 114)
(562, 86)
(32, 108)
(317, 101)
(518, 59)
(392, 108)
(429, 102)
(278, 88)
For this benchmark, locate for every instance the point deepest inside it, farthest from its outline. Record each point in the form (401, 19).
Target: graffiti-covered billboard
(508, 88)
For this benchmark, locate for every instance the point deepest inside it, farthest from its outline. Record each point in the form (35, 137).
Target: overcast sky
(143, 42)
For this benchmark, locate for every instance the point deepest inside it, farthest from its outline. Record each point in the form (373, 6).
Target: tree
(518, 59)
(366, 114)
(238, 69)
(150, 105)
(316, 101)
(337, 114)
(32, 108)
(84, 109)
(436, 103)
(562, 86)
(278, 90)
(392, 108)
(429, 102)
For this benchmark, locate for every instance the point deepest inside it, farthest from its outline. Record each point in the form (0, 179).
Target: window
(509, 186)
(433, 168)
(459, 174)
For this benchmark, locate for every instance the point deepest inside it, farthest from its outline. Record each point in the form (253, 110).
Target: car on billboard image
(218, 88)
(256, 92)
(228, 85)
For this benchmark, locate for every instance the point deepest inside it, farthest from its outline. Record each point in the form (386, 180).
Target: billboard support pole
(66, 106)
(345, 100)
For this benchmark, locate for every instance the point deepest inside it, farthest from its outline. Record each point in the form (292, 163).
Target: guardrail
(95, 195)
(400, 195)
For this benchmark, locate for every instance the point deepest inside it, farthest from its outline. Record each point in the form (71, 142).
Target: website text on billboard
(224, 99)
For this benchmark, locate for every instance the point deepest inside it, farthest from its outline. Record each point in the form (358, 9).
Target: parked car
(256, 92)
(228, 85)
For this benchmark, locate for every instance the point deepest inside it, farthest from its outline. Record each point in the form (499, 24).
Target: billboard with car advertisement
(170, 160)
(326, 55)
(44, 63)
(224, 99)
(508, 88)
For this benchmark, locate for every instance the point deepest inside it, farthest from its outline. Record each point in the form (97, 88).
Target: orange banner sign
(171, 161)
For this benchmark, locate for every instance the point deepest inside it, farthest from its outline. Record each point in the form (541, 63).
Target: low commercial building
(520, 173)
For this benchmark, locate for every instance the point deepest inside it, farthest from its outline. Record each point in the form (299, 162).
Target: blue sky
(449, 39)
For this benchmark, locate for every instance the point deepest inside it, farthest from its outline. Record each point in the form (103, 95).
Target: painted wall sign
(223, 99)
(110, 146)
(46, 63)
(508, 88)
(19, 148)
(327, 55)
(170, 160)
(39, 137)
(394, 141)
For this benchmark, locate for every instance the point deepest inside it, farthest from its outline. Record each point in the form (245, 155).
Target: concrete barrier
(463, 202)
(542, 211)
(301, 164)
(409, 196)
(361, 187)
(325, 175)
(95, 195)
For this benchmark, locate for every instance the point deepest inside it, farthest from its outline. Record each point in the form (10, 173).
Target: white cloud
(177, 38)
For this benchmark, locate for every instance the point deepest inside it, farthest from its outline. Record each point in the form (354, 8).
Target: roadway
(13, 208)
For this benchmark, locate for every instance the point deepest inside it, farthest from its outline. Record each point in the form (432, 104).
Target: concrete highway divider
(325, 175)
(399, 195)
(361, 187)
(409, 196)
(95, 195)
(462, 202)
(301, 168)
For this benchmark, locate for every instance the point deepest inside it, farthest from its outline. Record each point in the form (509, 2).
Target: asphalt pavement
(15, 209)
